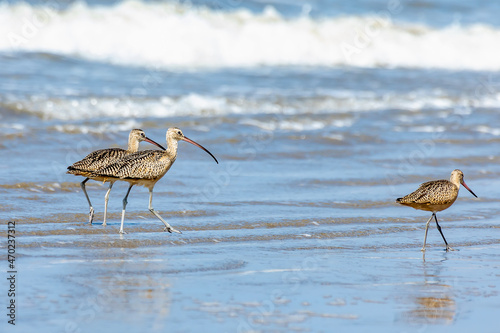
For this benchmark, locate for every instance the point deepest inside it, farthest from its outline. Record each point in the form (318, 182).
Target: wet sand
(233, 271)
(298, 234)
(263, 279)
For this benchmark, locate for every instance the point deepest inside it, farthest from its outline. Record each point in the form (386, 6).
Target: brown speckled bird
(100, 159)
(435, 196)
(146, 168)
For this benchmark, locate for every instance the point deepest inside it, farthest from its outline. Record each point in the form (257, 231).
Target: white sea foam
(168, 35)
(114, 127)
(488, 130)
(83, 108)
(423, 129)
(298, 124)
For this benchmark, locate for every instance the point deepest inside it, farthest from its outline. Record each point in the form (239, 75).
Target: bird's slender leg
(91, 209)
(125, 205)
(448, 248)
(106, 198)
(152, 210)
(427, 229)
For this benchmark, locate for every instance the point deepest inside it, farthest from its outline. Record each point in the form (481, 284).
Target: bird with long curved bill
(103, 157)
(146, 168)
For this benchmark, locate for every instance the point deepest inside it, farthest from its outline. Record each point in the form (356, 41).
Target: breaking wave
(173, 35)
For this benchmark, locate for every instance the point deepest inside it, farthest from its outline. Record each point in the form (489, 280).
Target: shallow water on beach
(296, 229)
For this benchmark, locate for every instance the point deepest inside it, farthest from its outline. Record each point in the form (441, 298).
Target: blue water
(296, 229)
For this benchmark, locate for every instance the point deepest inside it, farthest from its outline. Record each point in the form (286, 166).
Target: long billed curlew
(146, 168)
(103, 157)
(435, 196)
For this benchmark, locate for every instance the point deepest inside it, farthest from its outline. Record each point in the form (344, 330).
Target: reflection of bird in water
(146, 168)
(435, 196)
(103, 157)
(434, 309)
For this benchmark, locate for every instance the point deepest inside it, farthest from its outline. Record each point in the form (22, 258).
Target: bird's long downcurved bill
(467, 187)
(200, 146)
(154, 143)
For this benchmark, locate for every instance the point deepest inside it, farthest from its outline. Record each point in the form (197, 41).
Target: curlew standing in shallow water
(103, 157)
(146, 168)
(435, 196)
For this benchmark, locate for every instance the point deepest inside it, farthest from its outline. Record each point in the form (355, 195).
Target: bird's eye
(179, 132)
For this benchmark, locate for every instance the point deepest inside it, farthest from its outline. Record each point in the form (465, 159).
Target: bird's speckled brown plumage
(433, 196)
(144, 165)
(104, 157)
(436, 196)
(97, 160)
(146, 168)
(100, 159)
